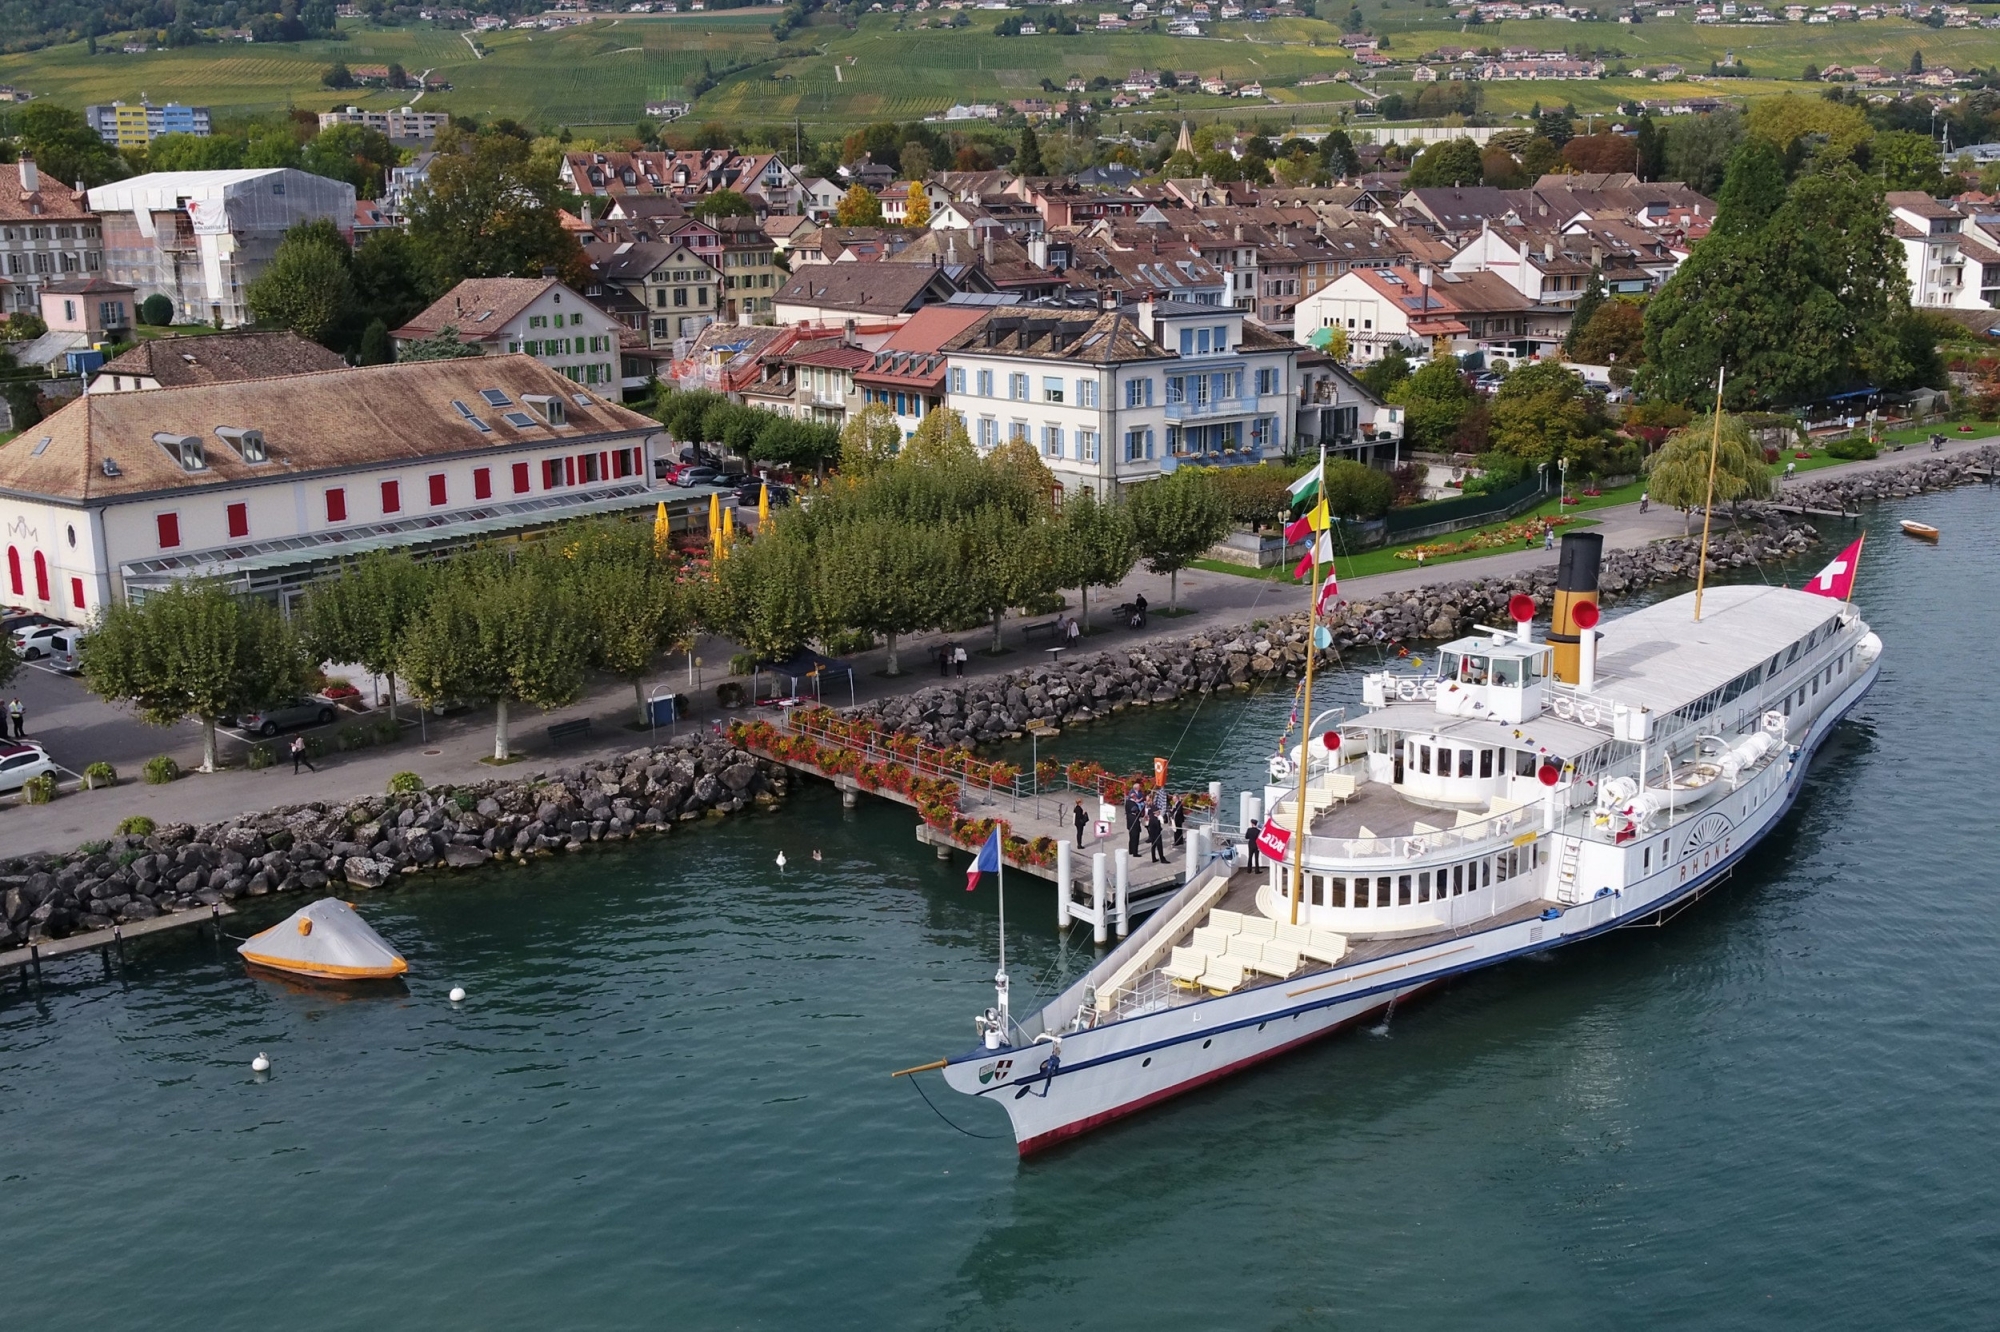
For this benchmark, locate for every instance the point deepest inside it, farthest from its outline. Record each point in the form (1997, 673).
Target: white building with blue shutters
(1110, 398)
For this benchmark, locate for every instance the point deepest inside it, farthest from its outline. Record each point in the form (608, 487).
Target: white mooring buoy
(261, 1064)
(781, 862)
(458, 994)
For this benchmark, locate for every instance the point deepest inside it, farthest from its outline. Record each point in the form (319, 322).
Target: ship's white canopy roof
(1660, 658)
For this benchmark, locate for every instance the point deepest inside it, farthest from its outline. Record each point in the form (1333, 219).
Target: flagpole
(1708, 509)
(1854, 574)
(1000, 977)
(1305, 732)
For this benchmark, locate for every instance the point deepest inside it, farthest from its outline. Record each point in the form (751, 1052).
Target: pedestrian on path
(17, 716)
(1072, 631)
(299, 755)
(1548, 537)
(944, 661)
(958, 659)
(1155, 837)
(1645, 501)
(1791, 470)
(1082, 821)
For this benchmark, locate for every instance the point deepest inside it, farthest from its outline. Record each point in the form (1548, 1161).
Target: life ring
(1561, 707)
(1588, 715)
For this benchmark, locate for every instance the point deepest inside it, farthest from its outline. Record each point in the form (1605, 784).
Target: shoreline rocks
(1923, 473)
(372, 841)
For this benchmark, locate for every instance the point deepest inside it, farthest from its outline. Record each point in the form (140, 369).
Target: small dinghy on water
(1921, 531)
(325, 941)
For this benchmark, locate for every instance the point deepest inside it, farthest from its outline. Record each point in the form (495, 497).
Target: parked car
(64, 652)
(697, 476)
(746, 494)
(21, 760)
(32, 641)
(276, 717)
(19, 617)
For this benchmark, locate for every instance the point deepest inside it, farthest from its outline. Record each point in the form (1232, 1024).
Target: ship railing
(1325, 851)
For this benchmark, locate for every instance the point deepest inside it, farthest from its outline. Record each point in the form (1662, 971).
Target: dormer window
(186, 450)
(249, 444)
(550, 408)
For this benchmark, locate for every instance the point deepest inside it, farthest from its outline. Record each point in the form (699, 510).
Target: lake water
(665, 1103)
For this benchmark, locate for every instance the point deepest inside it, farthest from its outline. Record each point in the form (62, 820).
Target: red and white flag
(1273, 840)
(1329, 593)
(1837, 579)
(1322, 551)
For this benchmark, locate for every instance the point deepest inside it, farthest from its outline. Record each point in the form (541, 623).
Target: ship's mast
(1708, 509)
(1305, 733)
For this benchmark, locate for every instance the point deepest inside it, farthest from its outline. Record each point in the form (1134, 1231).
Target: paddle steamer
(1506, 796)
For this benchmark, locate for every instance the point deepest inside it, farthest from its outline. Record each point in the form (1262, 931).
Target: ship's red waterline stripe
(1044, 1141)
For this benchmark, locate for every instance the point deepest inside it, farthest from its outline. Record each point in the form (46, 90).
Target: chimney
(1596, 255)
(1424, 274)
(1038, 251)
(987, 250)
(586, 212)
(1239, 231)
(31, 179)
(1576, 587)
(1548, 251)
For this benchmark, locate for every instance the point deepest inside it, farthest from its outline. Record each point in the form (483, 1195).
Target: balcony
(1214, 407)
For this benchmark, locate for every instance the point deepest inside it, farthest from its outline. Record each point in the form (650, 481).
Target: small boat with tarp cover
(325, 940)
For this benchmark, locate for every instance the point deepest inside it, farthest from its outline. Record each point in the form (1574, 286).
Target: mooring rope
(941, 1115)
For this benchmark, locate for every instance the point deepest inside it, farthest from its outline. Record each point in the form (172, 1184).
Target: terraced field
(600, 74)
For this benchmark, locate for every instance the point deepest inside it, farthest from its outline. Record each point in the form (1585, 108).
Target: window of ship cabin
(1465, 763)
(1338, 895)
(1382, 890)
(1524, 763)
(1646, 860)
(1473, 670)
(1507, 671)
(1448, 664)
(1379, 741)
(1486, 874)
(1793, 655)
(1485, 763)
(1318, 886)
(1423, 758)
(1402, 890)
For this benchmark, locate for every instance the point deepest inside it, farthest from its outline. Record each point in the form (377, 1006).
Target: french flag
(986, 862)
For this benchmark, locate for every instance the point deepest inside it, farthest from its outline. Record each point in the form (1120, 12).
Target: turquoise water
(665, 1103)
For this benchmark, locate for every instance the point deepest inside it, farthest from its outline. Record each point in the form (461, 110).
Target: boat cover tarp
(327, 939)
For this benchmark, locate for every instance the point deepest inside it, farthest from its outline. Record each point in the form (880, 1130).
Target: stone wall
(370, 842)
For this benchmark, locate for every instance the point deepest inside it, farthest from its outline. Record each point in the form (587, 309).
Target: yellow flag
(1319, 517)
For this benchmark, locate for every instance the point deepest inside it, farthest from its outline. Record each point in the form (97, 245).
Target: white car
(20, 760)
(32, 641)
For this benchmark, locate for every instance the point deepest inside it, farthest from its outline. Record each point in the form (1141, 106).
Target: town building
(831, 294)
(47, 234)
(124, 126)
(1950, 254)
(1113, 397)
(1425, 310)
(212, 358)
(200, 238)
(908, 373)
(403, 122)
(537, 317)
(751, 277)
(269, 483)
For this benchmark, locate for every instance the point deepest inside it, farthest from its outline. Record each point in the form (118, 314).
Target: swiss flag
(1837, 579)
(1273, 840)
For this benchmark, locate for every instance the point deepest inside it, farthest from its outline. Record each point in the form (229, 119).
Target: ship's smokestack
(1576, 585)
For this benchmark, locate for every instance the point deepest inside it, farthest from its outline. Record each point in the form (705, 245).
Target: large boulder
(367, 872)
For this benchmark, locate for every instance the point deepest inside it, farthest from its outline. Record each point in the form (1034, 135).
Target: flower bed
(1509, 535)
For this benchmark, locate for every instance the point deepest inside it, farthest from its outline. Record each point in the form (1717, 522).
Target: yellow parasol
(714, 520)
(663, 530)
(763, 507)
(728, 528)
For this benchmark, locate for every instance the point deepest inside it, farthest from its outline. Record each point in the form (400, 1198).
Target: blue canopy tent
(805, 671)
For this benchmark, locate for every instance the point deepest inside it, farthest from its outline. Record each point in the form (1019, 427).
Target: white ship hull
(1117, 1068)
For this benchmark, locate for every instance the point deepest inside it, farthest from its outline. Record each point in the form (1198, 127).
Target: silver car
(276, 717)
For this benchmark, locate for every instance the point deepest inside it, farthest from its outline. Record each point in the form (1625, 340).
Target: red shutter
(603, 467)
(482, 483)
(336, 505)
(42, 564)
(569, 470)
(239, 520)
(76, 592)
(14, 572)
(392, 496)
(170, 536)
(520, 478)
(437, 489)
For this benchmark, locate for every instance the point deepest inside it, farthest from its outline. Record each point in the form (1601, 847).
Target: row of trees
(501, 625)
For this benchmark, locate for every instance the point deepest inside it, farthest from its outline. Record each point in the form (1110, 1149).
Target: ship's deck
(1154, 991)
(1377, 809)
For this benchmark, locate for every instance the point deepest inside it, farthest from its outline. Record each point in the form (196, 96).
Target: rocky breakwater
(1163, 671)
(1843, 490)
(370, 842)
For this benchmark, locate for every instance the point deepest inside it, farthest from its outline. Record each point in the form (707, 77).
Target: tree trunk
(1083, 600)
(894, 667)
(392, 695)
(1687, 522)
(208, 744)
(500, 754)
(998, 646)
(639, 698)
(1173, 589)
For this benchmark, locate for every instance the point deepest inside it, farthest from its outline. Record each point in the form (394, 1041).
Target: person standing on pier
(1135, 822)
(1180, 822)
(1082, 821)
(1156, 837)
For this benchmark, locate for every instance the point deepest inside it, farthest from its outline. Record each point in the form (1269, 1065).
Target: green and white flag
(1305, 490)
